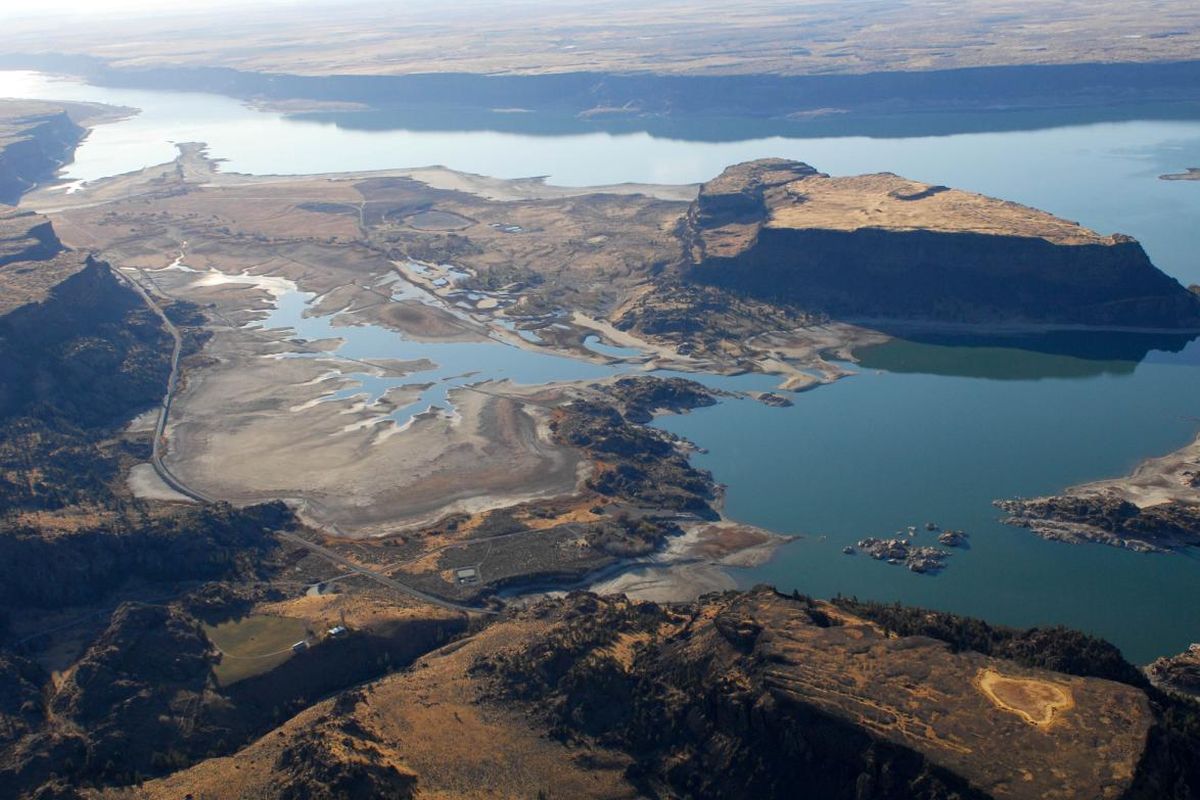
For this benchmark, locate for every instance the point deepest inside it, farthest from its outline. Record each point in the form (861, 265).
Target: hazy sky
(101, 8)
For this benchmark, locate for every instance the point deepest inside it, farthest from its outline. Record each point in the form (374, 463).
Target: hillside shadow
(1058, 354)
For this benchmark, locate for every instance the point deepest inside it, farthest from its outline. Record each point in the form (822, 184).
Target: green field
(253, 645)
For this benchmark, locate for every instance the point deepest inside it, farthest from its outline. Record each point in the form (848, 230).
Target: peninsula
(1192, 174)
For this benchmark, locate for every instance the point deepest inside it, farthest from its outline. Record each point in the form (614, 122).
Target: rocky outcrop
(21, 702)
(1107, 519)
(334, 763)
(25, 236)
(754, 695)
(1179, 674)
(738, 196)
(142, 701)
(35, 140)
(883, 249)
(737, 695)
(54, 569)
(135, 692)
(633, 462)
(80, 356)
(88, 349)
(127, 708)
(641, 397)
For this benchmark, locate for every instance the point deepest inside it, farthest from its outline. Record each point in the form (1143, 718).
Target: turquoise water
(454, 364)
(925, 432)
(880, 451)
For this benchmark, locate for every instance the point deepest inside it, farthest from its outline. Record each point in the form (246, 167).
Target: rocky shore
(1179, 674)
(1156, 508)
(1107, 519)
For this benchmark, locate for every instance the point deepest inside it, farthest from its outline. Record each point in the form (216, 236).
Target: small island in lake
(1192, 174)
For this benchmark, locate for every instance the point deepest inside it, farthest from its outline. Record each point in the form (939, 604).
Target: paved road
(169, 478)
(164, 411)
(379, 577)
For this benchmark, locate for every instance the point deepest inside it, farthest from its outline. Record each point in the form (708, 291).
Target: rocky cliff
(84, 346)
(35, 140)
(80, 356)
(882, 248)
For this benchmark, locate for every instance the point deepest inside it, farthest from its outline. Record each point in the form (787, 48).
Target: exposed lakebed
(928, 431)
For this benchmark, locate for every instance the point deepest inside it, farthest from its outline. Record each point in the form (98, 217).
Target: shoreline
(1153, 509)
(855, 102)
(699, 561)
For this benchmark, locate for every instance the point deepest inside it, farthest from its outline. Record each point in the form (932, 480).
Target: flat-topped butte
(880, 248)
(887, 201)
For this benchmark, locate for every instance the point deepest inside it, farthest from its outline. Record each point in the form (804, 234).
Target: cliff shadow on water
(714, 128)
(1027, 356)
(707, 108)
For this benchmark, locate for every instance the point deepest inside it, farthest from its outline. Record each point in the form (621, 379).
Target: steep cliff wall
(35, 140)
(880, 248)
(24, 236)
(88, 349)
(80, 356)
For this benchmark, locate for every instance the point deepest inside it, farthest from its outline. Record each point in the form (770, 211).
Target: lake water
(880, 451)
(928, 431)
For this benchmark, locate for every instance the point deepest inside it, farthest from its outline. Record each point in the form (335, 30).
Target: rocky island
(900, 551)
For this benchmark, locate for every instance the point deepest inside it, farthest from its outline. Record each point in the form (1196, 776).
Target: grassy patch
(253, 645)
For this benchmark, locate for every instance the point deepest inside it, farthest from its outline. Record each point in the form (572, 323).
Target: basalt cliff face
(883, 248)
(80, 356)
(72, 337)
(35, 140)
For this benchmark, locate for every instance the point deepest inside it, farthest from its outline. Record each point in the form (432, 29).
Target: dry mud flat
(694, 563)
(252, 427)
(250, 423)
